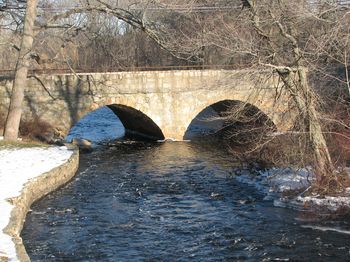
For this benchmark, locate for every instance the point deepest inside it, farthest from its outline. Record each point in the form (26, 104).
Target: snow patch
(282, 180)
(331, 203)
(338, 230)
(275, 181)
(17, 167)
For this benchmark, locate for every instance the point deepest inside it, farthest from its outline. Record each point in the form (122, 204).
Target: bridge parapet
(170, 98)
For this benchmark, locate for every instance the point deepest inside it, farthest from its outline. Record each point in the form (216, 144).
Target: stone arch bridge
(158, 104)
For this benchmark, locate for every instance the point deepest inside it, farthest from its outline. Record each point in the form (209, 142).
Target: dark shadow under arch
(136, 123)
(219, 119)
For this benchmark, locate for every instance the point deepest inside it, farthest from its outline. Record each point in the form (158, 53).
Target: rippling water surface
(137, 201)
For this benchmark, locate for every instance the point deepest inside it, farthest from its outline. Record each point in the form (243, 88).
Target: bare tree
(285, 35)
(19, 84)
(265, 34)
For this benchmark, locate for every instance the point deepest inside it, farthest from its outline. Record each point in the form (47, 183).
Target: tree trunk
(20, 81)
(305, 102)
(323, 162)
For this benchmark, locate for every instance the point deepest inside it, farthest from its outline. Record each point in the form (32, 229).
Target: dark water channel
(173, 201)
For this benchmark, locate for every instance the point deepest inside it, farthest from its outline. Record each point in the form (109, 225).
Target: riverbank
(26, 175)
(288, 188)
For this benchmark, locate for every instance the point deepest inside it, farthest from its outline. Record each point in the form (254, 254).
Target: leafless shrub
(337, 125)
(253, 138)
(38, 130)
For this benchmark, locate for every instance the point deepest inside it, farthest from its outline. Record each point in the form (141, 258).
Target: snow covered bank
(18, 167)
(275, 183)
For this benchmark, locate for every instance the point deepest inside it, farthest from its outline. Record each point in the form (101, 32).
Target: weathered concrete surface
(159, 104)
(34, 190)
(3, 259)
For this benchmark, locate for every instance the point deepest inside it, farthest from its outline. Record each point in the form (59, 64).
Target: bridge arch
(276, 110)
(137, 124)
(216, 116)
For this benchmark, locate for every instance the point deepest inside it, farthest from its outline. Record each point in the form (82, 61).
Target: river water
(172, 201)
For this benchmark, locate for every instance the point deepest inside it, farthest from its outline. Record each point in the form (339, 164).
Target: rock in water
(83, 144)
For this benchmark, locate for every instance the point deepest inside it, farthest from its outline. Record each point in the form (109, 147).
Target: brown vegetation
(38, 131)
(35, 130)
(338, 136)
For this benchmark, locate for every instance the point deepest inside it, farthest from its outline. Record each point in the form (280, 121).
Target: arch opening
(137, 124)
(240, 123)
(96, 126)
(113, 122)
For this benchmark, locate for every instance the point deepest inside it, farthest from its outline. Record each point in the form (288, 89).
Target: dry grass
(339, 147)
(337, 131)
(32, 130)
(36, 130)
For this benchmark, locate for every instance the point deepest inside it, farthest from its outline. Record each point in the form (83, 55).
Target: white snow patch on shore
(17, 167)
(330, 202)
(338, 230)
(282, 180)
(272, 182)
(276, 180)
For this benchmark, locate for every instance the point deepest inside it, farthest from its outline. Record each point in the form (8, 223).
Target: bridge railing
(50, 71)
